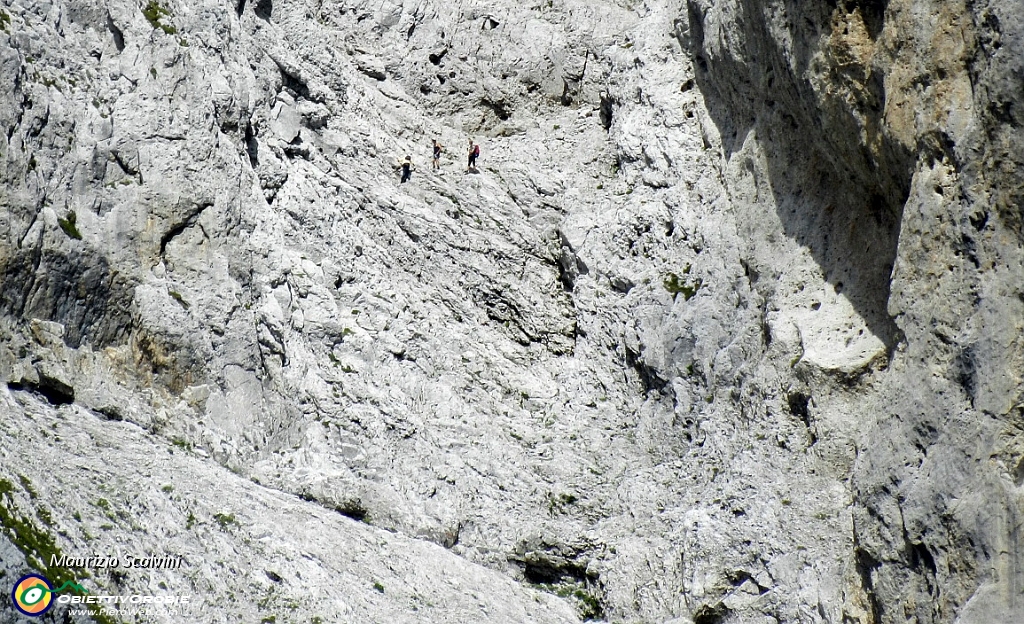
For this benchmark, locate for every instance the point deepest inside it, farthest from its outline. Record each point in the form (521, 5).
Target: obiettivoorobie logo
(33, 594)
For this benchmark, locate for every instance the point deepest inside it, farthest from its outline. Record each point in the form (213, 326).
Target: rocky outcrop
(881, 121)
(724, 327)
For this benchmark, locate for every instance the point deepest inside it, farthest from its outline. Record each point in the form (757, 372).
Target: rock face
(908, 113)
(724, 327)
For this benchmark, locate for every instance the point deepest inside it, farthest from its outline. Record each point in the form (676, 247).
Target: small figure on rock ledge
(406, 167)
(438, 148)
(474, 153)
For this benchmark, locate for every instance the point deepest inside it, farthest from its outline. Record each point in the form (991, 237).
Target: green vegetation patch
(588, 606)
(154, 12)
(684, 285)
(38, 546)
(225, 521)
(181, 300)
(27, 486)
(68, 225)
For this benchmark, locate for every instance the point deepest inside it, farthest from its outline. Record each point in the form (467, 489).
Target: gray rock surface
(725, 327)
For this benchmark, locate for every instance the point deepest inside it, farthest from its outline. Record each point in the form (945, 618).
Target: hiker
(474, 153)
(406, 166)
(438, 148)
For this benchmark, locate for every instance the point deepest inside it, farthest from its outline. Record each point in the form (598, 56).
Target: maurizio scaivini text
(167, 562)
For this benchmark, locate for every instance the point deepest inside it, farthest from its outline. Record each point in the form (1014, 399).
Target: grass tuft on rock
(181, 300)
(154, 12)
(68, 225)
(682, 285)
(588, 606)
(225, 521)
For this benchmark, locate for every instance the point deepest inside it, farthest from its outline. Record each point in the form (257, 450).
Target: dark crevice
(566, 98)
(540, 568)
(252, 146)
(263, 9)
(979, 220)
(966, 372)
(116, 33)
(799, 406)
(294, 84)
(500, 108)
(189, 221)
(866, 565)
(649, 377)
(921, 559)
(710, 614)
(126, 168)
(55, 391)
(872, 12)
(606, 111)
(937, 147)
(436, 57)
(569, 265)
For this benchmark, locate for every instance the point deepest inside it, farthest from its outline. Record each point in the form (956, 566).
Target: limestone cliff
(725, 326)
(890, 138)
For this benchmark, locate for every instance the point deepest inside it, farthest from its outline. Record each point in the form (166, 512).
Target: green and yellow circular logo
(32, 595)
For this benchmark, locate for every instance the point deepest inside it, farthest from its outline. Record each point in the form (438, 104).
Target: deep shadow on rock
(841, 200)
(80, 290)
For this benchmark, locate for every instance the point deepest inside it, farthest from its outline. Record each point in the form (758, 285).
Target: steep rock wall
(881, 122)
(689, 347)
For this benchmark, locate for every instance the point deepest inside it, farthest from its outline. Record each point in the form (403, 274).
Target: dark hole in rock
(606, 111)
(799, 403)
(55, 391)
(921, 558)
(252, 146)
(436, 57)
(710, 614)
(866, 565)
(798, 406)
(500, 108)
(353, 509)
(979, 220)
(263, 9)
(293, 83)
